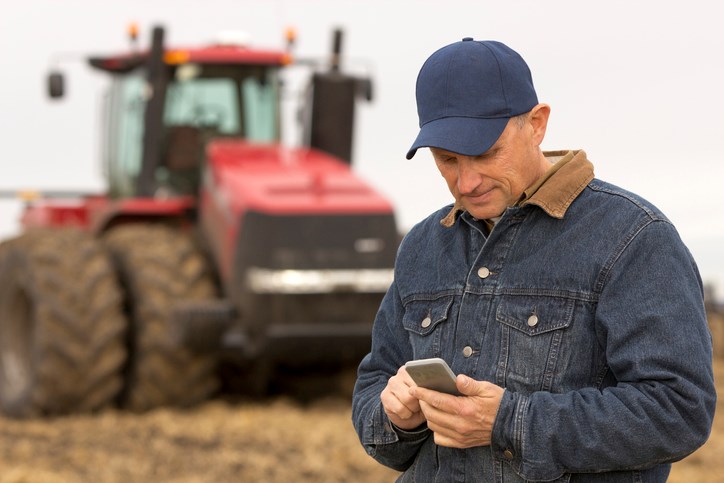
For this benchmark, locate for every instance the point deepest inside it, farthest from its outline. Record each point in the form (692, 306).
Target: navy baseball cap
(466, 92)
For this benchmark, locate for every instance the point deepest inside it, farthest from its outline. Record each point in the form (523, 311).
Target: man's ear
(538, 120)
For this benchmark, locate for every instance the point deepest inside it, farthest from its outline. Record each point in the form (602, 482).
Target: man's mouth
(478, 198)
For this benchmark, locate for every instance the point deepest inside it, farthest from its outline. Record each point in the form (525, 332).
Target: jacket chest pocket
(533, 331)
(425, 321)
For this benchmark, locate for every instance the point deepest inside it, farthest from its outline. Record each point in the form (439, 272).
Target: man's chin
(482, 212)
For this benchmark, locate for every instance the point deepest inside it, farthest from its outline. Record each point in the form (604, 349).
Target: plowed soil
(278, 439)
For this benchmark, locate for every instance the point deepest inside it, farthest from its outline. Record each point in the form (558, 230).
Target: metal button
(532, 320)
(508, 454)
(467, 351)
(483, 272)
(426, 322)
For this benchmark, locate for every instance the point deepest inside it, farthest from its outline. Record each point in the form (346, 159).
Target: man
(570, 309)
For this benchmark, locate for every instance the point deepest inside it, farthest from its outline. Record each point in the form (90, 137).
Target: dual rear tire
(61, 325)
(159, 267)
(87, 323)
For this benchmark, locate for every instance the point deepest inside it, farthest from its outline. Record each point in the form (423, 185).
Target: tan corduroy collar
(554, 191)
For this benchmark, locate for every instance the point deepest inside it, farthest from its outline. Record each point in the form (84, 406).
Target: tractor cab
(159, 116)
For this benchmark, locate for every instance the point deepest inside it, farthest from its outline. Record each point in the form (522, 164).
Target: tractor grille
(306, 242)
(313, 269)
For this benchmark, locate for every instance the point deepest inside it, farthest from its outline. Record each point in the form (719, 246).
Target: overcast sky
(637, 84)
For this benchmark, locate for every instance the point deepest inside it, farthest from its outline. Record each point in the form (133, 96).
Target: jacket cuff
(381, 430)
(416, 434)
(390, 445)
(507, 437)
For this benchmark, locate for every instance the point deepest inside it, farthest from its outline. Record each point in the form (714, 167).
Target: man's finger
(438, 400)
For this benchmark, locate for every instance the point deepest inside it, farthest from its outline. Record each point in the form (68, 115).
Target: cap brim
(462, 135)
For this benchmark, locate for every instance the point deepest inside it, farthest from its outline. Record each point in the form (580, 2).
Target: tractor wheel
(159, 266)
(62, 329)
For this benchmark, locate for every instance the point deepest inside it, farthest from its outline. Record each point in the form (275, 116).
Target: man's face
(487, 184)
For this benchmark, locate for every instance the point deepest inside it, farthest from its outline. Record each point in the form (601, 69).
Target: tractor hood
(268, 178)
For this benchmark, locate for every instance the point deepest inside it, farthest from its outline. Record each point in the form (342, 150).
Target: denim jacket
(593, 321)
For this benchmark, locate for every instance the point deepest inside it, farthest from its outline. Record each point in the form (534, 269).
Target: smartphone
(433, 373)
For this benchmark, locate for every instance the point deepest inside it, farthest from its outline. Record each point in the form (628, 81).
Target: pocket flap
(535, 315)
(422, 316)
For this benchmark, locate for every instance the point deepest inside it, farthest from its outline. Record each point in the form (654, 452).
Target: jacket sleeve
(659, 403)
(380, 438)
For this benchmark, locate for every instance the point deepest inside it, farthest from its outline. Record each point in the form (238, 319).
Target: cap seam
(500, 72)
(447, 86)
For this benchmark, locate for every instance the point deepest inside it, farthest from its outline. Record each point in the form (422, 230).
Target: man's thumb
(467, 385)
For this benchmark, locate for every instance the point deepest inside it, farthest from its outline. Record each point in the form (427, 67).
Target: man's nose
(468, 177)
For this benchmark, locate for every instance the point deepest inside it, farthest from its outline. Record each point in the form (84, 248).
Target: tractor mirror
(364, 88)
(56, 85)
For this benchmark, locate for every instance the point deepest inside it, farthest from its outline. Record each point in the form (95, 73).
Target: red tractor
(214, 247)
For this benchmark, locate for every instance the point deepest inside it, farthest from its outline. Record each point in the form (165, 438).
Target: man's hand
(461, 421)
(401, 407)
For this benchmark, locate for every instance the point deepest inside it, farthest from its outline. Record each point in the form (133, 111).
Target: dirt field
(277, 440)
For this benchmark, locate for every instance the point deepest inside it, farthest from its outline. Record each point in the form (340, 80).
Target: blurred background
(635, 84)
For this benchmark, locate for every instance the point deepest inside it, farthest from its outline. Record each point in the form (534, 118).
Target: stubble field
(278, 439)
